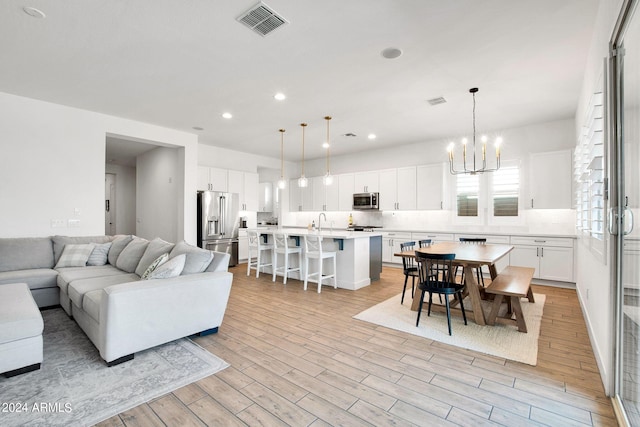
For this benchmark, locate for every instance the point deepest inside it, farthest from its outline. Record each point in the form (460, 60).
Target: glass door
(625, 201)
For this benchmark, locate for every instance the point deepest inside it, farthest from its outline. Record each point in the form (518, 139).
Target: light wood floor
(298, 358)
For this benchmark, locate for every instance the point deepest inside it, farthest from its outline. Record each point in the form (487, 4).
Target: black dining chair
(424, 243)
(474, 241)
(437, 276)
(410, 268)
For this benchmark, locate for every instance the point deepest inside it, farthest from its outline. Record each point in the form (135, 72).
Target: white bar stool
(281, 246)
(257, 245)
(313, 249)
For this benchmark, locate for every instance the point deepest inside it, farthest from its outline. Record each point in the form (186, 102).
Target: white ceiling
(182, 64)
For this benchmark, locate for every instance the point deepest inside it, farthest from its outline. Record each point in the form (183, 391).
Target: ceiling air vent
(261, 19)
(436, 101)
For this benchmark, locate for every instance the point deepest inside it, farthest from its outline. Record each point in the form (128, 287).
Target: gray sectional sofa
(126, 293)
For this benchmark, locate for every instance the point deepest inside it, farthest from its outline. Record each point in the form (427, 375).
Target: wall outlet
(73, 223)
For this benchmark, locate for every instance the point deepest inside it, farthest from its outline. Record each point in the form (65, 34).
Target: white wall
(235, 160)
(125, 202)
(158, 183)
(53, 164)
(593, 284)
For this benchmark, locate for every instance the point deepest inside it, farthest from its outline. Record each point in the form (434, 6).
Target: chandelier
(475, 168)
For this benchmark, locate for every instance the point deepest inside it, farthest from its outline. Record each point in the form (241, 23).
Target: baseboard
(120, 360)
(21, 371)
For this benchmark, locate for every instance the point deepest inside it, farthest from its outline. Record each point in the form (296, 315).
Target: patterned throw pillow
(155, 264)
(171, 268)
(75, 255)
(99, 254)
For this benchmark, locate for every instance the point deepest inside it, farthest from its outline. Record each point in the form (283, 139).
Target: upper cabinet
(265, 201)
(430, 194)
(300, 198)
(550, 180)
(366, 182)
(397, 189)
(212, 179)
(246, 185)
(345, 191)
(325, 197)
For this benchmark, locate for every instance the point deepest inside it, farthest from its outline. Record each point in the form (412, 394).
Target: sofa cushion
(91, 304)
(25, 253)
(169, 269)
(36, 278)
(156, 248)
(117, 245)
(155, 264)
(75, 255)
(19, 314)
(198, 259)
(100, 254)
(130, 256)
(59, 242)
(68, 275)
(78, 288)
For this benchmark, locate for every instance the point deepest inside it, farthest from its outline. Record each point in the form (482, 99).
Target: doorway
(110, 204)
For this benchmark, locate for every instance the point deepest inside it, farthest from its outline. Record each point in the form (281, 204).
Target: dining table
(468, 256)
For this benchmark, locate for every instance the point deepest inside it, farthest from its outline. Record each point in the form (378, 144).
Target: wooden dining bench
(513, 282)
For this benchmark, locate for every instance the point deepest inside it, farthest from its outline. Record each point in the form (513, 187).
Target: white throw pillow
(75, 255)
(171, 268)
(155, 264)
(99, 254)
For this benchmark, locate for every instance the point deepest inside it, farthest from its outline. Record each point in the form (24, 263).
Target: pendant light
(282, 183)
(303, 181)
(327, 179)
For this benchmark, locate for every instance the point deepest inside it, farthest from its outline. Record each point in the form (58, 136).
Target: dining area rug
(499, 340)
(74, 386)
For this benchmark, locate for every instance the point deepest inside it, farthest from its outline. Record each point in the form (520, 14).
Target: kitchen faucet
(322, 214)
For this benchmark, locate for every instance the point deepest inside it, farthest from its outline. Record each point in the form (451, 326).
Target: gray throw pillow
(99, 254)
(198, 259)
(155, 264)
(75, 255)
(169, 269)
(59, 242)
(130, 256)
(117, 245)
(156, 248)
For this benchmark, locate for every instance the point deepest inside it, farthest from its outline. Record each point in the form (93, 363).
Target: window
(467, 188)
(505, 190)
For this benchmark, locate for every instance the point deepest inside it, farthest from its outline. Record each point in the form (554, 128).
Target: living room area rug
(74, 386)
(500, 340)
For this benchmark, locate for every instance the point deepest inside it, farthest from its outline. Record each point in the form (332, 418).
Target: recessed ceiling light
(227, 115)
(280, 96)
(197, 128)
(371, 136)
(391, 53)
(325, 144)
(33, 12)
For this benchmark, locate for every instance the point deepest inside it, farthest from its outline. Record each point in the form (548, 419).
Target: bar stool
(313, 249)
(257, 245)
(281, 246)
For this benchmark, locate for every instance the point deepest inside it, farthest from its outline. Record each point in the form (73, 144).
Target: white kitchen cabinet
(552, 257)
(435, 237)
(550, 180)
(247, 187)
(266, 197)
(391, 244)
(366, 182)
(212, 179)
(300, 198)
(325, 197)
(397, 189)
(430, 191)
(345, 191)
(243, 248)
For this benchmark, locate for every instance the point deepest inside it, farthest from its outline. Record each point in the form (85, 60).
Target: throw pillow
(130, 256)
(75, 255)
(169, 269)
(198, 259)
(100, 254)
(156, 248)
(155, 264)
(59, 242)
(117, 245)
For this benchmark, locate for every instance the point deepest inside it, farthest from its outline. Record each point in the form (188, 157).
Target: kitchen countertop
(334, 234)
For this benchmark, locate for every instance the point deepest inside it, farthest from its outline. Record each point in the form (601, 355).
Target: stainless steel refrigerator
(218, 222)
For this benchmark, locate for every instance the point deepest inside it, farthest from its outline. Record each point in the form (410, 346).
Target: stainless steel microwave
(366, 201)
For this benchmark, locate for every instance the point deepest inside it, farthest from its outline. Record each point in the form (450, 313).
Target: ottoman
(21, 329)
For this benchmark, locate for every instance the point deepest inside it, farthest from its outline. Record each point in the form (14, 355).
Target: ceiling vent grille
(261, 19)
(436, 101)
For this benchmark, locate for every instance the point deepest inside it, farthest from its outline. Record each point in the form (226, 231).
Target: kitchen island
(359, 254)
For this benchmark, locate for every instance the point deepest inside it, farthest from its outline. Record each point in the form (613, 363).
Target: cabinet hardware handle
(440, 204)
(532, 203)
(537, 251)
(542, 252)
(540, 241)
